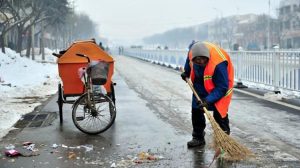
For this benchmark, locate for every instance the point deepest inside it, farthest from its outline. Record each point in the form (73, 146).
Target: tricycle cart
(68, 65)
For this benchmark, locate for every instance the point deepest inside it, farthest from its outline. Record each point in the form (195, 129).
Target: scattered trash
(31, 147)
(88, 148)
(113, 165)
(27, 143)
(54, 146)
(60, 157)
(64, 146)
(146, 157)
(28, 151)
(10, 147)
(74, 147)
(12, 153)
(118, 144)
(72, 155)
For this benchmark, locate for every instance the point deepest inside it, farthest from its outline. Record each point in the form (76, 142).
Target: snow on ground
(38, 57)
(285, 93)
(24, 83)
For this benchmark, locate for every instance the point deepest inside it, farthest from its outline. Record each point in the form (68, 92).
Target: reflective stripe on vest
(207, 77)
(229, 92)
(217, 49)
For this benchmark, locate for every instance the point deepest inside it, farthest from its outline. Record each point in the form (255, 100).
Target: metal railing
(275, 69)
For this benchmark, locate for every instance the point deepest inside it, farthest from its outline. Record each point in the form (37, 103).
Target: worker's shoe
(196, 142)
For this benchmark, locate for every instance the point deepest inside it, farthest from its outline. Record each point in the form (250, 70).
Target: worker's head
(200, 54)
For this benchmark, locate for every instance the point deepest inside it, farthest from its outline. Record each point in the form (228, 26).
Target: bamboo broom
(223, 143)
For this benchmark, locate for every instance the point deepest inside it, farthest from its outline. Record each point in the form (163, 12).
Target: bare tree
(23, 14)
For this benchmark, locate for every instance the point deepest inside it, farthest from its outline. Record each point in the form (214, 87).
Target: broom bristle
(232, 150)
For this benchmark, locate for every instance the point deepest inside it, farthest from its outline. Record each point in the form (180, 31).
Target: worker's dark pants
(198, 121)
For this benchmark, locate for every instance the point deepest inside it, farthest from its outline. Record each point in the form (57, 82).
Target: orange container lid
(89, 48)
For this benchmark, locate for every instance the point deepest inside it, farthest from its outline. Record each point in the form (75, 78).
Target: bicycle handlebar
(84, 56)
(56, 55)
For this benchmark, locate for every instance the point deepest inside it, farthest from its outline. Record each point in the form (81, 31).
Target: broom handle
(188, 80)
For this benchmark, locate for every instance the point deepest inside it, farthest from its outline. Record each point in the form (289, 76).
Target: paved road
(153, 115)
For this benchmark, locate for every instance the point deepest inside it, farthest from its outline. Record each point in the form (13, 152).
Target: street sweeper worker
(210, 69)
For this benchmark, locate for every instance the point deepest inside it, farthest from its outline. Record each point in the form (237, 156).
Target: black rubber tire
(112, 94)
(102, 98)
(60, 103)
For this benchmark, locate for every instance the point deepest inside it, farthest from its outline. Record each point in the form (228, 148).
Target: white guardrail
(273, 69)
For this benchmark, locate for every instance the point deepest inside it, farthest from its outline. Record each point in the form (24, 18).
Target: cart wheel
(60, 103)
(93, 120)
(112, 94)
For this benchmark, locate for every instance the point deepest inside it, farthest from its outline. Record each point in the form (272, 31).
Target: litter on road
(144, 157)
(9, 147)
(12, 153)
(54, 146)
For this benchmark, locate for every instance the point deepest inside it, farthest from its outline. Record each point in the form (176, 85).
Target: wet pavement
(136, 129)
(151, 129)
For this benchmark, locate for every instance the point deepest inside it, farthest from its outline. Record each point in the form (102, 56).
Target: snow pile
(284, 93)
(273, 96)
(20, 79)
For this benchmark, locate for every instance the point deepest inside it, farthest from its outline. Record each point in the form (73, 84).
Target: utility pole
(268, 35)
(219, 26)
(72, 23)
(32, 35)
(42, 41)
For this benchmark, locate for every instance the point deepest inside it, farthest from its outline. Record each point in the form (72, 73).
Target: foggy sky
(129, 20)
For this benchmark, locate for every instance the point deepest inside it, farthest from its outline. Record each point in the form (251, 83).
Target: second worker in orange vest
(211, 71)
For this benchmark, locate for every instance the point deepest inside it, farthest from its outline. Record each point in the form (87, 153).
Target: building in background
(252, 32)
(289, 18)
(249, 32)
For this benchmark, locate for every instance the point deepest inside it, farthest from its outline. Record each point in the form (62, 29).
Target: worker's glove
(184, 76)
(203, 104)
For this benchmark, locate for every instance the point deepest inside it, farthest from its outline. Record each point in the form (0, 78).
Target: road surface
(153, 116)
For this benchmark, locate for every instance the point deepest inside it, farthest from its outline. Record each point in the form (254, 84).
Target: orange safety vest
(217, 55)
